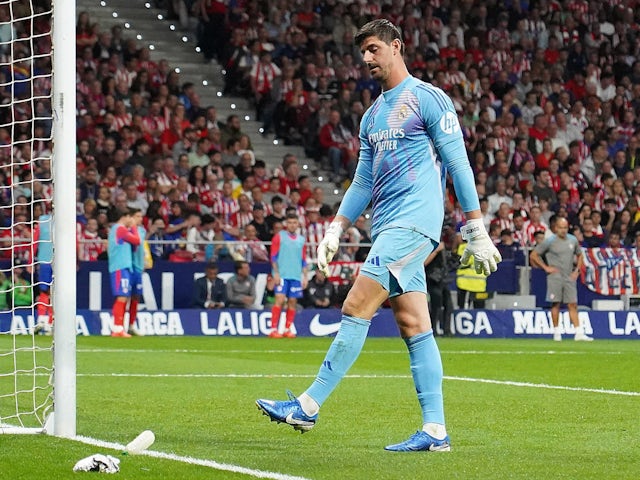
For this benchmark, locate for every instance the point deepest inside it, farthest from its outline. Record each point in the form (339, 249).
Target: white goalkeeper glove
(329, 246)
(479, 246)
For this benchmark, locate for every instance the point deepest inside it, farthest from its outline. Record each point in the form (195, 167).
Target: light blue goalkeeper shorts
(396, 260)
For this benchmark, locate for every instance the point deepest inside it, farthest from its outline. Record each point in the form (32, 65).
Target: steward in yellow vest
(467, 280)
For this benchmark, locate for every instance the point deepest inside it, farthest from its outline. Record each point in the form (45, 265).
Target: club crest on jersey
(449, 123)
(403, 113)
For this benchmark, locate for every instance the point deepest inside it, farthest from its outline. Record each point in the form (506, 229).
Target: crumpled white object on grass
(98, 463)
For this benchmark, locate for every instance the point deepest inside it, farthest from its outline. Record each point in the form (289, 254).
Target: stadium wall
(168, 285)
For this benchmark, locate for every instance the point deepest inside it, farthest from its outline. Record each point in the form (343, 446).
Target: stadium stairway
(166, 39)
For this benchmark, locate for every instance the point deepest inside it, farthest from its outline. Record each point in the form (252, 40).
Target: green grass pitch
(197, 395)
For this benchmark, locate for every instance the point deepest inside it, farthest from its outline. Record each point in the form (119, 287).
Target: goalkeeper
(410, 138)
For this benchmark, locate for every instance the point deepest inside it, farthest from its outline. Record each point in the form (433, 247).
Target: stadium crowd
(547, 93)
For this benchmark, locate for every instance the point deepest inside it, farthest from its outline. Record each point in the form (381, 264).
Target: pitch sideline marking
(543, 385)
(510, 383)
(190, 460)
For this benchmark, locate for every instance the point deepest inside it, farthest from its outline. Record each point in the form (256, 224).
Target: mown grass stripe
(510, 383)
(364, 352)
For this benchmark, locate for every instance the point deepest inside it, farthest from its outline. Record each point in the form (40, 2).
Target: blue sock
(426, 369)
(341, 355)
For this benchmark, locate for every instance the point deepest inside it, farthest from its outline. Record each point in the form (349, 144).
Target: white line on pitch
(193, 461)
(446, 377)
(543, 385)
(386, 352)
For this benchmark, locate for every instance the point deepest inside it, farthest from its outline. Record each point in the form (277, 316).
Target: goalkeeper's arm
(355, 200)
(480, 246)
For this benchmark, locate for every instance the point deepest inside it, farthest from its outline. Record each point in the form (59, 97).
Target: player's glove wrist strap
(473, 229)
(335, 228)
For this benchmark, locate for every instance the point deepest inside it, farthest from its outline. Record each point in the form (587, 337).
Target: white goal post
(64, 230)
(38, 375)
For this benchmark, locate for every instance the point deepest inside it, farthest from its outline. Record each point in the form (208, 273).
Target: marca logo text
(538, 322)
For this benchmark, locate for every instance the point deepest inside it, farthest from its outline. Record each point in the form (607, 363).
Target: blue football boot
(421, 442)
(287, 411)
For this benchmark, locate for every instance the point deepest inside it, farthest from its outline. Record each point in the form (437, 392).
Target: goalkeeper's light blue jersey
(409, 138)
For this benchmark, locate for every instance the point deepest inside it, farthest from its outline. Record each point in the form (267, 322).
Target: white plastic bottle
(141, 442)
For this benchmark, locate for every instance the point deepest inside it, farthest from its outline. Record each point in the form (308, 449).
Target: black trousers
(462, 299)
(440, 307)
(213, 37)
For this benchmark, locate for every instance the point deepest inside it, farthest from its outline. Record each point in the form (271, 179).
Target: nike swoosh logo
(294, 421)
(319, 329)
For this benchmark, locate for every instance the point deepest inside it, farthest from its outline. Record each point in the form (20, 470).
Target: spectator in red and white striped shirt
(500, 59)
(500, 31)
(144, 61)
(210, 195)
(627, 126)
(534, 224)
(154, 123)
(520, 62)
(225, 205)
(604, 188)
(167, 178)
(579, 8)
(519, 234)
(453, 75)
(619, 194)
(315, 229)
(121, 117)
(294, 205)
(197, 182)
(290, 175)
(570, 33)
(244, 215)
(126, 75)
(90, 245)
(503, 217)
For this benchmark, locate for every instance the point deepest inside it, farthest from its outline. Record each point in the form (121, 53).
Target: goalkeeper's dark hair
(381, 28)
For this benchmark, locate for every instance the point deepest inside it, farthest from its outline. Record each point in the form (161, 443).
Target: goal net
(37, 140)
